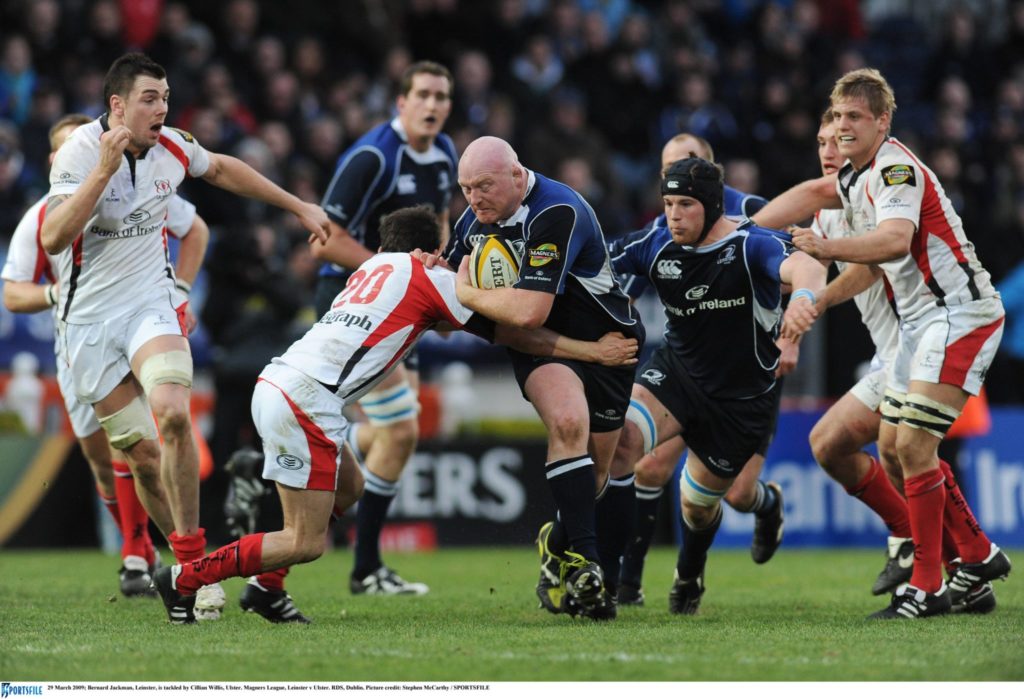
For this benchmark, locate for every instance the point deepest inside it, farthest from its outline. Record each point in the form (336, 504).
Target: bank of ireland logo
(696, 293)
(290, 462)
(136, 217)
(653, 376)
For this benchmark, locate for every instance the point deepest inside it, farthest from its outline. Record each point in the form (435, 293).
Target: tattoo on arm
(53, 202)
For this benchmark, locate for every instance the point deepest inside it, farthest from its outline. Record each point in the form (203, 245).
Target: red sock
(970, 540)
(949, 550)
(877, 492)
(188, 548)
(272, 579)
(242, 557)
(111, 505)
(134, 522)
(926, 499)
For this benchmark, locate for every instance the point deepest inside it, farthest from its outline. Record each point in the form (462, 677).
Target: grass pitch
(801, 617)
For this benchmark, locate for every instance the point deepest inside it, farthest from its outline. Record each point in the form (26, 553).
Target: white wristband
(183, 286)
(51, 298)
(805, 293)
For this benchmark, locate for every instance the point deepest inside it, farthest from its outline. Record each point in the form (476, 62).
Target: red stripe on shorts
(961, 354)
(324, 452)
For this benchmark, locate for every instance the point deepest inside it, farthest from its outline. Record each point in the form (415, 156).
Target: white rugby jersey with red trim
(28, 261)
(876, 304)
(387, 304)
(942, 268)
(121, 256)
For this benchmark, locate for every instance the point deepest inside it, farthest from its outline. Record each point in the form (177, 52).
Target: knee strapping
(639, 415)
(129, 425)
(892, 404)
(697, 494)
(923, 413)
(167, 367)
(390, 405)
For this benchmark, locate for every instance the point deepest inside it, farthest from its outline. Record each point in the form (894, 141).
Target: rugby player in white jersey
(951, 320)
(31, 285)
(122, 318)
(388, 303)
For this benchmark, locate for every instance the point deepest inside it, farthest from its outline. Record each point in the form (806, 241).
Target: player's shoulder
(447, 146)
(896, 164)
(178, 137)
(29, 224)
(548, 195)
(761, 234)
(85, 138)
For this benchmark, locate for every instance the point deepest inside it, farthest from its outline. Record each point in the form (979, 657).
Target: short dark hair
(430, 67)
(413, 227)
(121, 76)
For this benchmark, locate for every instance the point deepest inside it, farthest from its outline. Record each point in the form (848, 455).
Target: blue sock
(614, 518)
(644, 519)
(693, 554)
(373, 509)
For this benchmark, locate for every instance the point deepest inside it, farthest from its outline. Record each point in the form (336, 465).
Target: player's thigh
(666, 424)
(656, 468)
(558, 396)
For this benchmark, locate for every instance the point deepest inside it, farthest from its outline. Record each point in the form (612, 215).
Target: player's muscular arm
(520, 308)
(613, 349)
(850, 282)
(798, 203)
(340, 248)
(66, 214)
(235, 176)
(26, 297)
(890, 241)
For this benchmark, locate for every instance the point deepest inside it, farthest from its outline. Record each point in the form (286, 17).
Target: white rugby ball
(493, 263)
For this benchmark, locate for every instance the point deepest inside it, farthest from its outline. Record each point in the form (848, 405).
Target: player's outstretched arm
(66, 214)
(28, 297)
(889, 241)
(340, 248)
(850, 282)
(613, 349)
(798, 203)
(235, 176)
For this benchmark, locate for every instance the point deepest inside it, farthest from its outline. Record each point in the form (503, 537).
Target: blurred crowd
(586, 90)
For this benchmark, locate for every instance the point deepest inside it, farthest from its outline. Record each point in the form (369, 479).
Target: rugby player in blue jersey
(712, 381)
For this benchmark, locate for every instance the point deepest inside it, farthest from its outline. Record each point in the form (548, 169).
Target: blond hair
(680, 137)
(75, 120)
(867, 84)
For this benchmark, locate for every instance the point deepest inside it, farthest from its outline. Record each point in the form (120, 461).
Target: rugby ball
(493, 263)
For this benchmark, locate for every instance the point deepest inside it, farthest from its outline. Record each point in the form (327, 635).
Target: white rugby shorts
(99, 354)
(82, 416)
(871, 388)
(949, 344)
(302, 428)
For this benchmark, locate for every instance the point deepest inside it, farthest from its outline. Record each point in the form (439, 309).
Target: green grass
(801, 617)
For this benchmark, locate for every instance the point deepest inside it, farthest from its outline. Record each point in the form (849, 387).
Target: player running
(712, 381)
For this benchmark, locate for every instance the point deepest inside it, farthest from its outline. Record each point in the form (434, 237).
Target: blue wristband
(805, 293)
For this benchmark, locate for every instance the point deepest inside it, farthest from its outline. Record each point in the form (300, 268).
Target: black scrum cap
(700, 179)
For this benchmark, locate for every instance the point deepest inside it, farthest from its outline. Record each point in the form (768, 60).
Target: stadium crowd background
(586, 90)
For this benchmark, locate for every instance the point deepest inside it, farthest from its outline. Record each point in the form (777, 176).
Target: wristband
(805, 293)
(183, 286)
(50, 297)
